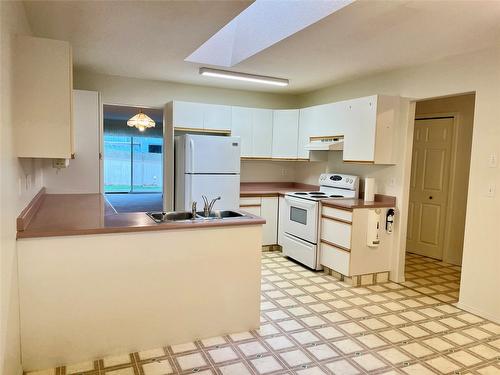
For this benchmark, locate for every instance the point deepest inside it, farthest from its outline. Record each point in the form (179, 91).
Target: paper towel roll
(369, 189)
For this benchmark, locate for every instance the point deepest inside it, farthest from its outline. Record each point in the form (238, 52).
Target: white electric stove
(300, 216)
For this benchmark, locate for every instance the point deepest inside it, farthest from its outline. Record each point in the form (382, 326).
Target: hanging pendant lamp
(141, 121)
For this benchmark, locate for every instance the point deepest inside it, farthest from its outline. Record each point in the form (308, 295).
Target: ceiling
(151, 39)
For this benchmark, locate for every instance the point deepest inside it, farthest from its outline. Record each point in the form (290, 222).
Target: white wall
(478, 72)
(15, 192)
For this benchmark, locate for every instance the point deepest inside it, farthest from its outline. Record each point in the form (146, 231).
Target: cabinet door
(217, 117)
(42, 98)
(241, 126)
(285, 133)
(262, 132)
(359, 140)
(188, 115)
(269, 211)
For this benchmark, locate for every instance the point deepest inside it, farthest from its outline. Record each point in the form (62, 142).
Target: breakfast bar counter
(78, 214)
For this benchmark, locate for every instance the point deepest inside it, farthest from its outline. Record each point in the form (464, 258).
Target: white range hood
(334, 143)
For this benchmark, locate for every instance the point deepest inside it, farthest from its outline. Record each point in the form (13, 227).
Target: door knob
(430, 196)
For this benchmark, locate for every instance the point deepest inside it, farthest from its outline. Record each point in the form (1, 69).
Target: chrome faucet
(193, 210)
(207, 209)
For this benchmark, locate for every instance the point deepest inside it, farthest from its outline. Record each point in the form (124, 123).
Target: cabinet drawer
(337, 213)
(336, 259)
(250, 201)
(336, 232)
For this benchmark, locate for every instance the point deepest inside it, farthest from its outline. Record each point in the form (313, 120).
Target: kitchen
(366, 126)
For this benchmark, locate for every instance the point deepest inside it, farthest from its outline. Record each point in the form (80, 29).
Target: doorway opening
(442, 142)
(132, 160)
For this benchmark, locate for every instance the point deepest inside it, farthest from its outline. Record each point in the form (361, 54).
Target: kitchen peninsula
(97, 282)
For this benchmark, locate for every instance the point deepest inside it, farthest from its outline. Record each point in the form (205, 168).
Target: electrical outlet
(493, 160)
(284, 172)
(491, 190)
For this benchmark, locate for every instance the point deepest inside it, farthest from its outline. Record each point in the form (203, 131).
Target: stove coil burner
(336, 196)
(301, 193)
(316, 193)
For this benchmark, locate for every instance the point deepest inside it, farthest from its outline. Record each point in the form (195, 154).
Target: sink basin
(221, 214)
(160, 217)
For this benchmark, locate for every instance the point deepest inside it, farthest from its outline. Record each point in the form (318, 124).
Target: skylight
(262, 24)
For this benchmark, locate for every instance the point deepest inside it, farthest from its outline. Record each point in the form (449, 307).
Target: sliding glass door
(133, 164)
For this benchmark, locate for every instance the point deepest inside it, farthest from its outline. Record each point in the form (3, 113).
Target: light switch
(491, 190)
(493, 160)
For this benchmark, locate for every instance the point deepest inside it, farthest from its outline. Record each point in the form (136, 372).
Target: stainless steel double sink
(161, 217)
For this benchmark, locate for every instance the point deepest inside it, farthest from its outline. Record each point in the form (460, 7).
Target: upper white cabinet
(370, 127)
(190, 115)
(43, 98)
(285, 133)
(242, 127)
(255, 128)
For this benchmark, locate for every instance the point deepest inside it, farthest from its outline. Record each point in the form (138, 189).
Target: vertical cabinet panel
(188, 115)
(241, 126)
(269, 211)
(217, 117)
(262, 132)
(285, 133)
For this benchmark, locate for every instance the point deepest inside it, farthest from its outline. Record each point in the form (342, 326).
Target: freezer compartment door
(225, 186)
(212, 154)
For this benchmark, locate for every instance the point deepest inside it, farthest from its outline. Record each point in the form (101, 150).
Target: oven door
(301, 218)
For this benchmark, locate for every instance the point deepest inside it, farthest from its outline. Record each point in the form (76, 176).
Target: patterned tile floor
(432, 277)
(313, 324)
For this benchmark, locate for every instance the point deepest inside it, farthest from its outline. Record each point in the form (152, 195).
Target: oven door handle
(300, 202)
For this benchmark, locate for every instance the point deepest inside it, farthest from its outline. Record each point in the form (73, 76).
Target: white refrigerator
(207, 165)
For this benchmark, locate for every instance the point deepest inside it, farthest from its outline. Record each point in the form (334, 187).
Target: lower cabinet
(344, 238)
(267, 208)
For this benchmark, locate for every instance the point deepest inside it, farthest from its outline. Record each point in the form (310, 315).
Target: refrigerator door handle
(191, 152)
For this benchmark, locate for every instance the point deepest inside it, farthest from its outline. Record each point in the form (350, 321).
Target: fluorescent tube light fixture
(243, 77)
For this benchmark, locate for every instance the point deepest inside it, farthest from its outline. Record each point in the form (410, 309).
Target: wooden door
(429, 186)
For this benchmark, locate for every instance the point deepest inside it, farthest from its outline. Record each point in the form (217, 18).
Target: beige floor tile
(393, 355)
(438, 344)
(279, 343)
(266, 365)
(290, 325)
(369, 362)
(305, 337)
(417, 350)
(485, 351)
(489, 370)
(342, 367)
(442, 364)
(464, 358)
(322, 352)
(252, 348)
(328, 332)
(213, 341)
(157, 368)
(311, 371)
(371, 341)
(417, 369)
(295, 358)
(190, 361)
(223, 354)
(347, 346)
(235, 369)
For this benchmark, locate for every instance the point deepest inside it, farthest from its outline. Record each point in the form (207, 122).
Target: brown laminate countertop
(381, 201)
(77, 214)
(272, 189)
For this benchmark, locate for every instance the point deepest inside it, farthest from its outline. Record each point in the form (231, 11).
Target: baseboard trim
(478, 312)
(24, 218)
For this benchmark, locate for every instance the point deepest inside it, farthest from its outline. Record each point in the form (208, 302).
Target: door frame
(452, 169)
(101, 139)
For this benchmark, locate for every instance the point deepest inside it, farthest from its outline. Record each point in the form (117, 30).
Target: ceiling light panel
(243, 77)
(262, 24)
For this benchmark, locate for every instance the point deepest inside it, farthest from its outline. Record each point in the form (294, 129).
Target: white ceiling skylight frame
(262, 24)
